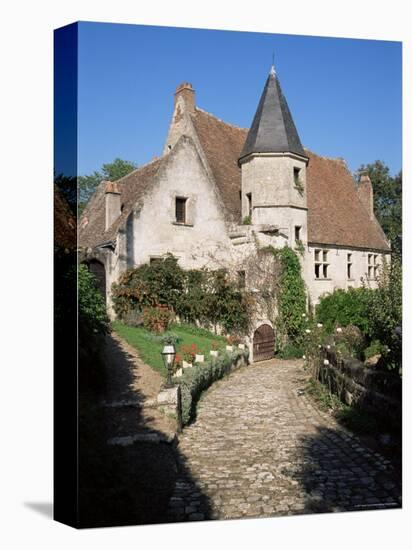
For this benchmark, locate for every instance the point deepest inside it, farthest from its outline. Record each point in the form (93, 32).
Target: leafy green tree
(387, 198)
(111, 171)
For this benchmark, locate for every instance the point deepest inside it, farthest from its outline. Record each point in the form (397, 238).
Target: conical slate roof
(273, 129)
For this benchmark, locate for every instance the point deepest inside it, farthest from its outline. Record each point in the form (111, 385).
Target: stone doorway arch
(263, 343)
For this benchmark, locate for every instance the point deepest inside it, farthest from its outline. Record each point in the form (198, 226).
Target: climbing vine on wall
(290, 296)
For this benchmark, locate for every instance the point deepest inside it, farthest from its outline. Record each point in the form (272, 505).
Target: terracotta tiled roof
(132, 188)
(222, 144)
(336, 215)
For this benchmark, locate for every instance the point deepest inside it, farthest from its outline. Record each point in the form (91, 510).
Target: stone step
(125, 441)
(147, 404)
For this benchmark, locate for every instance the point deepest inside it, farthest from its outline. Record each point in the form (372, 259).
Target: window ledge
(183, 224)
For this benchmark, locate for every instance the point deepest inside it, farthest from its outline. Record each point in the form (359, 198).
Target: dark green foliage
(110, 172)
(385, 312)
(197, 379)
(345, 307)
(387, 198)
(373, 349)
(291, 351)
(208, 297)
(291, 297)
(91, 302)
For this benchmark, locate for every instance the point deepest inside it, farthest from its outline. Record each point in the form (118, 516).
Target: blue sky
(344, 94)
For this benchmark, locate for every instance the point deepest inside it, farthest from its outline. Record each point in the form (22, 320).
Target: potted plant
(200, 356)
(188, 354)
(213, 351)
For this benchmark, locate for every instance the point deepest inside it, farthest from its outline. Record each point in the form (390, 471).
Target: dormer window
(180, 209)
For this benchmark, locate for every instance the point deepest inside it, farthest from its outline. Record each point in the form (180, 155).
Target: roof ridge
(153, 161)
(336, 159)
(220, 119)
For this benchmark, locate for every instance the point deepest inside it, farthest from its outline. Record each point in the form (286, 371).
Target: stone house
(219, 192)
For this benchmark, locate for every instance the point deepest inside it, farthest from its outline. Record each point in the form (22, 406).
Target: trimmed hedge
(198, 378)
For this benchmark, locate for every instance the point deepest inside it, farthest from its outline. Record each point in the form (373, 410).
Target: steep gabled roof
(336, 215)
(132, 188)
(221, 143)
(273, 129)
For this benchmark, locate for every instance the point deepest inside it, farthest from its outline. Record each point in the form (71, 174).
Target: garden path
(260, 447)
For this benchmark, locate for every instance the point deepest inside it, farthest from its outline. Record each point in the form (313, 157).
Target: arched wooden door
(263, 343)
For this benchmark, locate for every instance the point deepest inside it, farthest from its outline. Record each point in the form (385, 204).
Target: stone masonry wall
(376, 392)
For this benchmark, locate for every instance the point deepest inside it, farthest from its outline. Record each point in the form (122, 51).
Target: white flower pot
(186, 365)
(241, 346)
(199, 358)
(229, 348)
(214, 353)
(179, 373)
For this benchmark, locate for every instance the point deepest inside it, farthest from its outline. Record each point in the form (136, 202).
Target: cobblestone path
(261, 448)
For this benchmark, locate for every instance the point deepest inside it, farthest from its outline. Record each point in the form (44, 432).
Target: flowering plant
(189, 352)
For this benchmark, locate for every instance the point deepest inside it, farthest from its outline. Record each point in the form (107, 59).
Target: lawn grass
(149, 347)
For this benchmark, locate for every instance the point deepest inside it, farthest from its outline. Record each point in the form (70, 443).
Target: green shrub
(291, 351)
(157, 319)
(345, 307)
(133, 318)
(207, 297)
(375, 348)
(385, 312)
(292, 296)
(91, 302)
(198, 378)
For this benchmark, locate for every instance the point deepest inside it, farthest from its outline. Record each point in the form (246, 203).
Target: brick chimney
(112, 203)
(186, 92)
(365, 192)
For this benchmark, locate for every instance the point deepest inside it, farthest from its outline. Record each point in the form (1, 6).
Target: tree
(111, 171)
(387, 199)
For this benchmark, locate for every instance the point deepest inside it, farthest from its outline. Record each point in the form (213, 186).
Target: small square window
(181, 209)
(317, 255)
(249, 205)
(325, 271)
(349, 266)
(296, 173)
(325, 255)
(297, 232)
(317, 271)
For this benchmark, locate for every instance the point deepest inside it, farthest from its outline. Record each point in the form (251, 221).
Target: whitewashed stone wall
(337, 270)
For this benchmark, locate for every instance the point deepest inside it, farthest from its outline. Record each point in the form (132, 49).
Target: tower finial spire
(272, 69)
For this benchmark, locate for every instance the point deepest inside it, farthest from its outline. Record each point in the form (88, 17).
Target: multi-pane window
(321, 264)
(349, 266)
(373, 266)
(181, 209)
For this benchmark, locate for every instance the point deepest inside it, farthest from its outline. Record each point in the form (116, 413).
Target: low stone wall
(371, 390)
